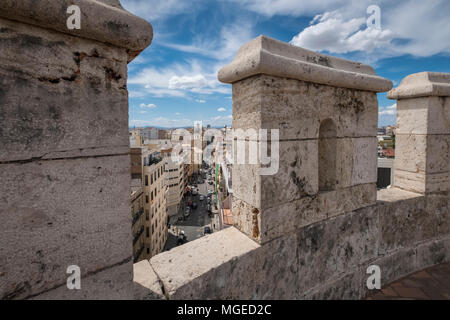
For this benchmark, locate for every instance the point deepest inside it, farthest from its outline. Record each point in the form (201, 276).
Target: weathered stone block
(146, 285)
(347, 287)
(297, 176)
(432, 253)
(336, 202)
(184, 270)
(330, 248)
(71, 212)
(296, 108)
(72, 99)
(404, 223)
(114, 283)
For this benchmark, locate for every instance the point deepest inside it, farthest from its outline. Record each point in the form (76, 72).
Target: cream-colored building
(175, 181)
(136, 139)
(154, 194)
(137, 213)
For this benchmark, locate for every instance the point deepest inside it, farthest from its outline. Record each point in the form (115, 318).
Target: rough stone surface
(402, 233)
(104, 21)
(76, 97)
(146, 283)
(422, 162)
(114, 283)
(265, 55)
(64, 148)
(422, 84)
(181, 268)
(71, 212)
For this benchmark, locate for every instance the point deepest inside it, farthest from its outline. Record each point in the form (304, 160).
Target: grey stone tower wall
(64, 149)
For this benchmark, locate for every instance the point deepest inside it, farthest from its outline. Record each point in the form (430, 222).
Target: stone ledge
(395, 194)
(422, 84)
(265, 55)
(181, 265)
(105, 21)
(146, 282)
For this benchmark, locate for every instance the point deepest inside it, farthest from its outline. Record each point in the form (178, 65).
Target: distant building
(149, 133)
(136, 140)
(174, 176)
(137, 214)
(155, 203)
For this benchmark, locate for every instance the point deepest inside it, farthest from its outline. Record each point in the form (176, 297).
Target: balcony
(137, 216)
(136, 237)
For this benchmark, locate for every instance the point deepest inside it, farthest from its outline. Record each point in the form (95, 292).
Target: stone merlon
(268, 56)
(103, 20)
(422, 84)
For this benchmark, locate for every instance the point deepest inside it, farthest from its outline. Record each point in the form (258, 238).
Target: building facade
(154, 194)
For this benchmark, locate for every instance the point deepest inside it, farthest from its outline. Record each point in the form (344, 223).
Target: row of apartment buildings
(159, 182)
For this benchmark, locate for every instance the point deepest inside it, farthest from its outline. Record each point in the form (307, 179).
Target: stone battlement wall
(402, 233)
(308, 231)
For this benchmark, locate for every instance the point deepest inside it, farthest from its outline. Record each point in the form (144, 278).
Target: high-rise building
(154, 194)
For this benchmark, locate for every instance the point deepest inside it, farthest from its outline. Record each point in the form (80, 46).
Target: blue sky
(174, 82)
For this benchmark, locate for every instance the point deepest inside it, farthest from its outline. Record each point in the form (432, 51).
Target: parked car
(194, 206)
(207, 230)
(209, 208)
(202, 198)
(209, 200)
(210, 182)
(194, 192)
(182, 239)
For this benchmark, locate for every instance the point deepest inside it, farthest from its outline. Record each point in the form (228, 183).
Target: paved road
(193, 226)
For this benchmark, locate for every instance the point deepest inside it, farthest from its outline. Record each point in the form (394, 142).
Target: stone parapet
(64, 149)
(265, 55)
(402, 233)
(422, 155)
(104, 21)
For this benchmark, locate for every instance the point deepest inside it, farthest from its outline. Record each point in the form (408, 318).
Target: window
(146, 198)
(327, 155)
(146, 180)
(147, 232)
(152, 179)
(147, 216)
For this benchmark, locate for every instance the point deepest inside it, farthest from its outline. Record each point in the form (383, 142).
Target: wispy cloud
(221, 110)
(148, 106)
(388, 111)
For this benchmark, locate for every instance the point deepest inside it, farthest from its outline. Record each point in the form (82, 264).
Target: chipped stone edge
(422, 84)
(265, 55)
(106, 22)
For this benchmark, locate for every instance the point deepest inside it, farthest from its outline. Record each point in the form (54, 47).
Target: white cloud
(200, 101)
(292, 7)
(149, 106)
(332, 33)
(221, 48)
(188, 82)
(177, 80)
(221, 110)
(389, 110)
(407, 27)
(157, 9)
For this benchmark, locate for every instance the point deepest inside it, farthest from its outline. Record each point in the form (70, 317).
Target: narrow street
(194, 225)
